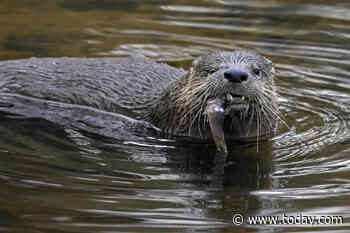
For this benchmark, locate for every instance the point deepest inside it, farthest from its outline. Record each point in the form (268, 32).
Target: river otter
(229, 94)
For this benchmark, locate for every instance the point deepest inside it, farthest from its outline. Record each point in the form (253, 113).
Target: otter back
(119, 85)
(106, 96)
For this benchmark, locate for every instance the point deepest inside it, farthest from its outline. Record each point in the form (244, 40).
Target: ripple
(314, 192)
(314, 104)
(83, 183)
(193, 9)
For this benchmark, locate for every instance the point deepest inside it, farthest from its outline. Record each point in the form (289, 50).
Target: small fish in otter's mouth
(216, 115)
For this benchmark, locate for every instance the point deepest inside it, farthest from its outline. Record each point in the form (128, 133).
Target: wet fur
(181, 108)
(67, 90)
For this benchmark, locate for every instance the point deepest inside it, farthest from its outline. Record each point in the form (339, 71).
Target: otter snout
(235, 76)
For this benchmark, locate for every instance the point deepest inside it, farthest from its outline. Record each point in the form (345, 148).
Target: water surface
(55, 179)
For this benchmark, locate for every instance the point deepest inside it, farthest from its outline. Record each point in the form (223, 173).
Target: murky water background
(54, 179)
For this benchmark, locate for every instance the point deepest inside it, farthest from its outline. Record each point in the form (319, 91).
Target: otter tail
(5, 105)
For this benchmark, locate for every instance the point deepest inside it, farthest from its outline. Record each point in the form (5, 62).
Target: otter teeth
(229, 98)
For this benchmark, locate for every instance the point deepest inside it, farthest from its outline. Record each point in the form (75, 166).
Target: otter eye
(256, 71)
(211, 70)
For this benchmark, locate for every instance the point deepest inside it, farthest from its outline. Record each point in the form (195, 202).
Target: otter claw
(216, 115)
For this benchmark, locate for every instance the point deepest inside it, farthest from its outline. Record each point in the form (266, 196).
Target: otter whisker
(268, 112)
(249, 101)
(275, 112)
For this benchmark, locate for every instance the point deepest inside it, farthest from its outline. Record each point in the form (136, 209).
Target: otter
(225, 96)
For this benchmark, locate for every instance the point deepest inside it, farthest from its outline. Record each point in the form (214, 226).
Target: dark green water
(54, 179)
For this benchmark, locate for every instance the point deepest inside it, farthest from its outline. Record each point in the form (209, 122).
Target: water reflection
(83, 182)
(97, 180)
(115, 5)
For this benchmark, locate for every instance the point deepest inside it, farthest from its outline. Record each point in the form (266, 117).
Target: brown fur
(181, 108)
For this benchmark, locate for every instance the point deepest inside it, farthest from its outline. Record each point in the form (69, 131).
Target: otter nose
(236, 76)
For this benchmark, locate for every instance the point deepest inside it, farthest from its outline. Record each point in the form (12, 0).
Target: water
(54, 179)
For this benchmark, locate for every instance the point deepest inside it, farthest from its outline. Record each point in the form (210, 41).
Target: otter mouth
(234, 102)
(217, 109)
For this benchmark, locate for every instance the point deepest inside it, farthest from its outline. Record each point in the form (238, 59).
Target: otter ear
(195, 63)
(272, 67)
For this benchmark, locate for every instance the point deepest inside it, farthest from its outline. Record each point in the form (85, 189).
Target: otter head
(235, 89)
